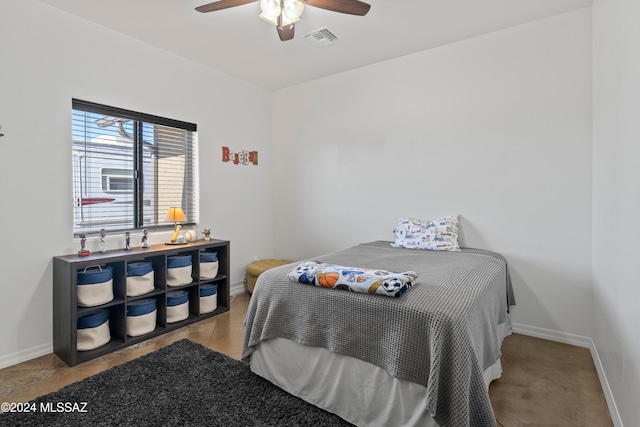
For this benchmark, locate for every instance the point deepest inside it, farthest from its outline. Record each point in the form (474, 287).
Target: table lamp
(175, 215)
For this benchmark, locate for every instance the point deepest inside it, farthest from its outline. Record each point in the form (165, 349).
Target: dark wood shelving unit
(65, 297)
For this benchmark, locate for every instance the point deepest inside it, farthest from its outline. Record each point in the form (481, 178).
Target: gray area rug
(183, 384)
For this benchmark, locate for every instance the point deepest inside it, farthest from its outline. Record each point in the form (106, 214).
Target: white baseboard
(611, 403)
(237, 288)
(24, 355)
(548, 334)
(580, 341)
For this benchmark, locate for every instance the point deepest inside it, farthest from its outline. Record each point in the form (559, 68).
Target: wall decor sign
(243, 157)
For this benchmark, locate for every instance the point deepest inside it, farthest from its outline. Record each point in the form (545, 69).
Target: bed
(425, 358)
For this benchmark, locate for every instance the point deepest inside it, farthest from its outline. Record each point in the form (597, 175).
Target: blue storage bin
(177, 261)
(141, 316)
(208, 290)
(208, 256)
(94, 274)
(92, 320)
(141, 307)
(179, 269)
(93, 330)
(140, 278)
(176, 298)
(94, 286)
(208, 298)
(139, 268)
(177, 306)
(208, 265)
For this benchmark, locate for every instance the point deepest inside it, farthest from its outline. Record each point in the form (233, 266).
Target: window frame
(138, 119)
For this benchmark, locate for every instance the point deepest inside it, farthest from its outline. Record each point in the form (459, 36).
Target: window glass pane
(100, 146)
(174, 174)
(117, 180)
(128, 172)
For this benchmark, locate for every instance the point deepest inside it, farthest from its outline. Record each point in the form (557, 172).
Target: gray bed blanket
(442, 333)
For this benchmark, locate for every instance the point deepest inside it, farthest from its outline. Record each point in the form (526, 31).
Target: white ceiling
(237, 42)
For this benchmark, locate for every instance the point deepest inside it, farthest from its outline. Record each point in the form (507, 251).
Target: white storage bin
(179, 269)
(94, 286)
(93, 330)
(141, 317)
(177, 306)
(208, 298)
(140, 278)
(208, 265)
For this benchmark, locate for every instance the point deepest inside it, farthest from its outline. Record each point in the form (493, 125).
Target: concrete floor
(544, 383)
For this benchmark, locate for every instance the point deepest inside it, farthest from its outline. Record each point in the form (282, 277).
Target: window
(129, 168)
(117, 180)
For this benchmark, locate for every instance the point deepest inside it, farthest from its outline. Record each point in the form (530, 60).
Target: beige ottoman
(256, 268)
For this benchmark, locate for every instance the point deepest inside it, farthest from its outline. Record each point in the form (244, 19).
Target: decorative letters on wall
(243, 157)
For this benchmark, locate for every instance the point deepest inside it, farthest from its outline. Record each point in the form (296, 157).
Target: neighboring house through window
(129, 168)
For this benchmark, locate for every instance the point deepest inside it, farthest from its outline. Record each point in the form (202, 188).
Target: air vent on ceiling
(321, 37)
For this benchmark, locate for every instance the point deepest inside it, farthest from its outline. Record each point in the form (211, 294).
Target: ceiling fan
(283, 14)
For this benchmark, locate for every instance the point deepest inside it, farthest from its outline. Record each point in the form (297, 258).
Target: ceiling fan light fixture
(270, 10)
(292, 9)
(269, 19)
(284, 13)
(281, 13)
(286, 21)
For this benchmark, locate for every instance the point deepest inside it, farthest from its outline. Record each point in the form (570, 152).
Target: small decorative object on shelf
(127, 241)
(207, 234)
(190, 236)
(175, 215)
(145, 237)
(83, 241)
(103, 234)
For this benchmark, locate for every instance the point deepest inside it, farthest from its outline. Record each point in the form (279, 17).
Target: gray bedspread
(442, 333)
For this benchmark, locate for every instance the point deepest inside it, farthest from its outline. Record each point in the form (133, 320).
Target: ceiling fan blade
(222, 4)
(352, 7)
(286, 32)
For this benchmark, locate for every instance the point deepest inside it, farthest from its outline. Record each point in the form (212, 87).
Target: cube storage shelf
(65, 298)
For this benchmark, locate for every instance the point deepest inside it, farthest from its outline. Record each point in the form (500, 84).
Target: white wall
(48, 57)
(616, 198)
(495, 128)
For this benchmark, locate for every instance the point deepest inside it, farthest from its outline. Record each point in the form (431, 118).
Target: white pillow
(438, 235)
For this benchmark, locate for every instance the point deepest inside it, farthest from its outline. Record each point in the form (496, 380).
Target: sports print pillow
(438, 235)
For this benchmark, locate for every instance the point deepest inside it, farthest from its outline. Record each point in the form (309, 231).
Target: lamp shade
(175, 214)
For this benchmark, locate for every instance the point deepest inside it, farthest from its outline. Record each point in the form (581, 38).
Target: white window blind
(129, 168)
